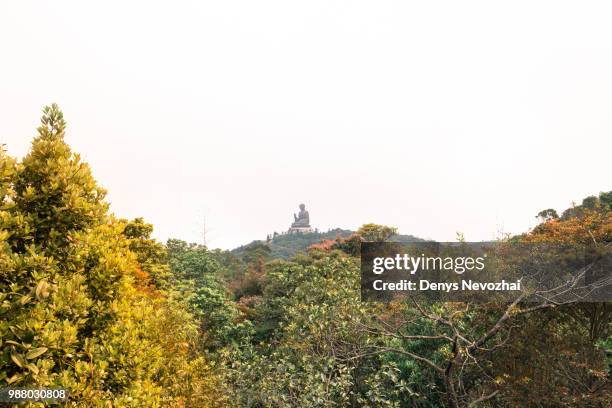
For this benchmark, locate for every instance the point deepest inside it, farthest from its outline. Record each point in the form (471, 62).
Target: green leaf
(36, 352)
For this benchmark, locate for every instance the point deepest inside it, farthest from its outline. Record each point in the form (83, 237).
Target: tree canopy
(92, 303)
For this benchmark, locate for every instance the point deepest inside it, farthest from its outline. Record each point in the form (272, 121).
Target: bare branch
(482, 399)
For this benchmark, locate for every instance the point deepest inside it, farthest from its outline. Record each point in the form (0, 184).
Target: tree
(606, 199)
(71, 312)
(547, 215)
(195, 272)
(473, 349)
(312, 353)
(54, 190)
(376, 233)
(151, 255)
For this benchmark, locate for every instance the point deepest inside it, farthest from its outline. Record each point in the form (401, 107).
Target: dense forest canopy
(91, 303)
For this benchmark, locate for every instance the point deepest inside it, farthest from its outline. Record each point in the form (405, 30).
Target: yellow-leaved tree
(72, 312)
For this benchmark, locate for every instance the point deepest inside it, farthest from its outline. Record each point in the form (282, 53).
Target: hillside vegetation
(91, 303)
(285, 246)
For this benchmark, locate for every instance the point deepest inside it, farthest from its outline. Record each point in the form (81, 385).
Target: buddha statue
(302, 219)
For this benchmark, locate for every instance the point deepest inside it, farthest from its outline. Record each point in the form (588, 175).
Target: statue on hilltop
(301, 221)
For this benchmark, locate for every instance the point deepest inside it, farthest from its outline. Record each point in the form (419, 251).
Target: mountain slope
(287, 245)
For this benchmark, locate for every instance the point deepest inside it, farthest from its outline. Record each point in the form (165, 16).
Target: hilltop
(285, 246)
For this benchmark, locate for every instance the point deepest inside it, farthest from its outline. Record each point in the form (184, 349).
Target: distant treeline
(284, 246)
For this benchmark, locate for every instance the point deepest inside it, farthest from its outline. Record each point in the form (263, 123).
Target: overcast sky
(432, 116)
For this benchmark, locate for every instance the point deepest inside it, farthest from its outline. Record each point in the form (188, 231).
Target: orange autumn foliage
(588, 228)
(325, 245)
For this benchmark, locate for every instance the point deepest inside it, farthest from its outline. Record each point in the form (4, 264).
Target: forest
(90, 302)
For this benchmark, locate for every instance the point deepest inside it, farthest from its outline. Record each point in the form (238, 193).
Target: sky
(434, 117)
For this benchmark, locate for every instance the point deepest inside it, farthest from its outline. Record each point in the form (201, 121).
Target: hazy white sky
(435, 117)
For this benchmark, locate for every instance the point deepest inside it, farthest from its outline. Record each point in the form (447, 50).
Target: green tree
(55, 191)
(151, 255)
(313, 353)
(195, 275)
(548, 214)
